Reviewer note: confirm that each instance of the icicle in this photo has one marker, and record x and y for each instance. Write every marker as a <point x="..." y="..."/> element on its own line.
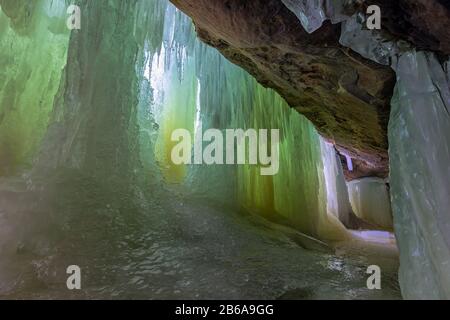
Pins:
<point x="349" y="163"/>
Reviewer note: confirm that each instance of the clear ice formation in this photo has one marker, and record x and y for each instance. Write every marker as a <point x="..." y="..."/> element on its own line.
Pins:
<point x="338" y="196"/>
<point x="371" y="202"/>
<point x="419" y="136"/>
<point x="371" y="44"/>
<point x="419" y="139"/>
<point x="313" y="13"/>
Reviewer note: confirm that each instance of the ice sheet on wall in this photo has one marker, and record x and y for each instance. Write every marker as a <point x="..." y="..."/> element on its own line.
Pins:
<point x="419" y="135"/>
<point x="30" y="33"/>
<point x="210" y="92"/>
<point x="370" y="200"/>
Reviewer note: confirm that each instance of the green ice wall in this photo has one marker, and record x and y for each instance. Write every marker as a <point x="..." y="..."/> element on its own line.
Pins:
<point x="33" y="48"/>
<point x="102" y="103"/>
<point x="206" y="91"/>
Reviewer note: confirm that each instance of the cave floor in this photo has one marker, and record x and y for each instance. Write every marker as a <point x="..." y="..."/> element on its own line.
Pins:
<point x="180" y="249"/>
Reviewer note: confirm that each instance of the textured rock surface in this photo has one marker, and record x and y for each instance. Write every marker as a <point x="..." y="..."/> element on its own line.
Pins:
<point x="344" y="95"/>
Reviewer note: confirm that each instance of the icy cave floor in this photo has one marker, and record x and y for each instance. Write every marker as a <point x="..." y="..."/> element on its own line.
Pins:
<point x="175" y="248"/>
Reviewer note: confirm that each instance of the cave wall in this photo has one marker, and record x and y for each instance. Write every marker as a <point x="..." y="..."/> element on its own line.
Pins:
<point x="339" y="77"/>
<point x="344" y="95"/>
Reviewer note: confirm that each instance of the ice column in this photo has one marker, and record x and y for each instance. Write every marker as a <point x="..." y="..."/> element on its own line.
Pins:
<point x="337" y="194"/>
<point x="419" y="136"/>
<point x="370" y="201"/>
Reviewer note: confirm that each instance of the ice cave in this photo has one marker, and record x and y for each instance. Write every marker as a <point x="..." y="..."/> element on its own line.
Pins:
<point x="91" y="93"/>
